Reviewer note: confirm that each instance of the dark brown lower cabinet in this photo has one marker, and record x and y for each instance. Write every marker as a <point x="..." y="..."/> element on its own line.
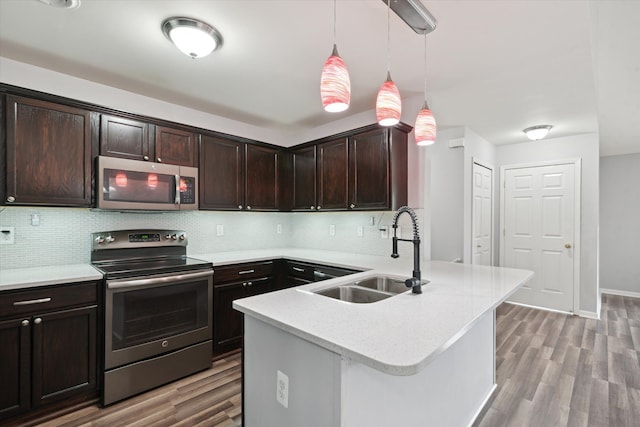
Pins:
<point x="230" y="283"/>
<point x="46" y="356"/>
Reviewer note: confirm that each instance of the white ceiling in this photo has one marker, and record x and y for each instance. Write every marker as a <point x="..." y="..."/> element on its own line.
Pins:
<point x="495" y="66"/>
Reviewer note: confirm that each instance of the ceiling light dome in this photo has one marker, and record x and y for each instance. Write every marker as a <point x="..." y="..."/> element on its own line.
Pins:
<point x="194" y="38"/>
<point x="537" y="132"/>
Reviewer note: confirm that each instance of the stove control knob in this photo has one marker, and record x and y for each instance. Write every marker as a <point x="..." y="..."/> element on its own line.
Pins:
<point x="182" y="237"/>
<point x="110" y="239"/>
<point x="99" y="239"/>
<point x="174" y="236"/>
<point x="168" y="236"/>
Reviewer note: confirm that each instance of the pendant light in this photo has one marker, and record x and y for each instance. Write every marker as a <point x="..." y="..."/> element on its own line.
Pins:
<point x="388" y="103"/>
<point x="335" y="86"/>
<point x="425" y="128"/>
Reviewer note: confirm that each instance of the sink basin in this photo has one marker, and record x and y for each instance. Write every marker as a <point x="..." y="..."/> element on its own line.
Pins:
<point x="368" y="290"/>
<point x="356" y="294"/>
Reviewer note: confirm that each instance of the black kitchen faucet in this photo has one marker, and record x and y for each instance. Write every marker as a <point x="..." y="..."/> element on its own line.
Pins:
<point x="415" y="283"/>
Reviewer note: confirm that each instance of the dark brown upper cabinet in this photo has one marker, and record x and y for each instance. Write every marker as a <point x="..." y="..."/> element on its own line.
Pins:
<point x="236" y="175"/>
<point x="138" y="140"/>
<point x="303" y="178"/>
<point x="176" y="146"/>
<point x="221" y="173"/>
<point x="125" y="138"/>
<point x="361" y="170"/>
<point x="261" y="178"/>
<point x="332" y="173"/>
<point x="48" y="153"/>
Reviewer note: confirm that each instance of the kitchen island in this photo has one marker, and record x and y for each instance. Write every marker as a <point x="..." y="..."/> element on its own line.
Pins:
<point x="411" y="360"/>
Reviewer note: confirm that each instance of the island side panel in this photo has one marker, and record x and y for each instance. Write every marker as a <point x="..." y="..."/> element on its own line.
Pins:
<point x="313" y="376"/>
<point x="449" y="391"/>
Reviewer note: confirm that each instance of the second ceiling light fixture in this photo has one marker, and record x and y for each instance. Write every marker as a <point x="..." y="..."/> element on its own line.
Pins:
<point x="335" y="86"/>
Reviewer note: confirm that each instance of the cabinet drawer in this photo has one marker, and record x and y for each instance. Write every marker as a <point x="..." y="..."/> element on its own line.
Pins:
<point x="46" y="299"/>
<point x="300" y="270"/>
<point x="232" y="273"/>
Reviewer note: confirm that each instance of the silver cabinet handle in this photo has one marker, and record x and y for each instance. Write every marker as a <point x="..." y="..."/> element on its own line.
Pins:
<point x="25" y="323"/>
<point x="248" y="208"/>
<point x="145" y="157"/>
<point x="32" y="301"/>
<point x="159" y="160"/>
<point x="319" y="207"/>
<point x="313" y="207"/>
<point x="246" y="271"/>
<point x="239" y="206"/>
<point x="37" y="320"/>
<point x="298" y="269"/>
<point x="352" y="206"/>
<point x="11" y="199"/>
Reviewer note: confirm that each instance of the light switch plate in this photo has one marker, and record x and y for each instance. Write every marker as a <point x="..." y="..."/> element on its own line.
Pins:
<point x="7" y="235"/>
<point x="219" y="230"/>
<point x="332" y="230"/>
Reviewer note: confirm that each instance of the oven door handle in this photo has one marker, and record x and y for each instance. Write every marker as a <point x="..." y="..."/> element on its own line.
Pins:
<point x="155" y="281"/>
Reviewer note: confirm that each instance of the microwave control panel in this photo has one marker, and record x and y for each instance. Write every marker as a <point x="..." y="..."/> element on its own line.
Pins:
<point x="187" y="190"/>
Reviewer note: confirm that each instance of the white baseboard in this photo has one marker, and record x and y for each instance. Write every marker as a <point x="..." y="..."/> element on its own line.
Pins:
<point x="620" y="293"/>
<point x="588" y="314"/>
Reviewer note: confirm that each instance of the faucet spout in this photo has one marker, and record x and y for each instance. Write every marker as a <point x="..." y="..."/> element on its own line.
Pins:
<point x="415" y="283"/>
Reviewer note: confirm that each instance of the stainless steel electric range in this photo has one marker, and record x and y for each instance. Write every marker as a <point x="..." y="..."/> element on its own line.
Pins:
<point x="158" y="310"/>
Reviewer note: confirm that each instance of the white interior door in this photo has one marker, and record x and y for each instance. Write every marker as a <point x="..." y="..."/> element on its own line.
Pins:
<point x="481" y="216"/>
<point x="539" y="220"/>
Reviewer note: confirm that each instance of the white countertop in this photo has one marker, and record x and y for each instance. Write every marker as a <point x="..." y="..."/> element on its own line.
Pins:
<point x="399" y="335"/>
<point x="23" y="278"/>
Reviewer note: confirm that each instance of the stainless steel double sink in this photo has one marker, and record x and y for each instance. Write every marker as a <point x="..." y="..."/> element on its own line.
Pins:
<point x="368" y="290"/>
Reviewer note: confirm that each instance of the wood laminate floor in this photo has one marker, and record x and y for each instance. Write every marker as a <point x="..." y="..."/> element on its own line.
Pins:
<point x="552" y="370"/>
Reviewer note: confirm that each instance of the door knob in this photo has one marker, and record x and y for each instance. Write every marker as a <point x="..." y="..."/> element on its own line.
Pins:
<point x="567" y="245"/>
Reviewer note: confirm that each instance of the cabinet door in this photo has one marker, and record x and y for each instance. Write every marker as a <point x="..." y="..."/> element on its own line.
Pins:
<point x="64" y="354"/>
<point x="227" y="322"/>
<point x="332" y="174"/>
<point x="261" y="185"/>
<point x="125" y="138"/>
<point x="175" y="147"/>
<point x="15" y="367"/>
<point x="369" y="183"/>
<point x="48" y="154"/>
<point x="221" y="174"/>
<point x="304" y="178"/>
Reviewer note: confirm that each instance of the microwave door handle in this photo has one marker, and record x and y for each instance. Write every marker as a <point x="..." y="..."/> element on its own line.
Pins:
<point x="177" y="199"/>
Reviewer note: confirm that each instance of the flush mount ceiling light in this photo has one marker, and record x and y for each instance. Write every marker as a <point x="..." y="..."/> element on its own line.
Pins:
<point x="194" y="38"/>
<point x="388" y="103"/>
<point x="335" y="86"/>
<point x="62" y="4"/>
<point x="414" y="14"/>
<point x="537" y="132"/>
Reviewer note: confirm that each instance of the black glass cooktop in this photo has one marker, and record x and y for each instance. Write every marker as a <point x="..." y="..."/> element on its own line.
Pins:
<point x="151" y="266"/>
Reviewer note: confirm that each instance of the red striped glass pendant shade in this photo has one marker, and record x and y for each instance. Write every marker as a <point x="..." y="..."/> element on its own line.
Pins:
<point x="335" y="86"/>
<point x="425" y="129"/>
<point x="388" y="103"/>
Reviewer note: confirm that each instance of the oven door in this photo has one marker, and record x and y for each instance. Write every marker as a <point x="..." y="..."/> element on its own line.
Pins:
<point x="152" y="315"/>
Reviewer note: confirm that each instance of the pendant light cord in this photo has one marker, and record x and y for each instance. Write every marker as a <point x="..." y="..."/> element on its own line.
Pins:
<point x="388" y="36"/>
<point x="425" y="67"/>
<point x="335" y="38"/>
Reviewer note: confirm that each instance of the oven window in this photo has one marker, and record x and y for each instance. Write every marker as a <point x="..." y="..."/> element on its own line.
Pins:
<point x="149" y="314"/>
<point x="138" y="187"/>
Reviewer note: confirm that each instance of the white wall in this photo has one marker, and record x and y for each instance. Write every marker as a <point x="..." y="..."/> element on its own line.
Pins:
<point x="620" y="224"/>
<point x="446" y="205"/>
<point x="585" y="147"/>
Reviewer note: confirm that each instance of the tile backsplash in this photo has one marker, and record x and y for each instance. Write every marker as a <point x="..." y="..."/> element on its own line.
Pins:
<point x="63" y="234"/>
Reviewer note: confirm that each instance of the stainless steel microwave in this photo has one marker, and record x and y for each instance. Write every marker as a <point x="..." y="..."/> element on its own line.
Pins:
<point x="124" y="184"/>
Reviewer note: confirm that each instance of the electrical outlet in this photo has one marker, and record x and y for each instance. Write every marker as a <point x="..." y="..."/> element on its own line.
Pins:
<point x="7" y="235"/>
<point x="278" y="228"/>
<point x="219" y="230"/>
<point x="332" y="230"/>
<point x="35" y="219"/>
<point x="360" y="231"/>
<point x="282" y="389"/>
<point x="372" y="220"/>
